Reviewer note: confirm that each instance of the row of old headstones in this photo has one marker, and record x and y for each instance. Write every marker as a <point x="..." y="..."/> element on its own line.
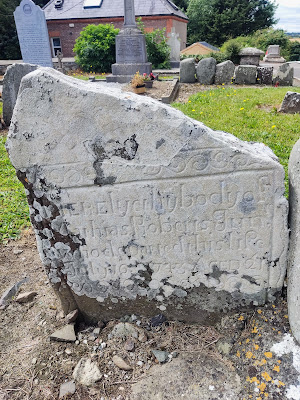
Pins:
<point x="208" y="72"/>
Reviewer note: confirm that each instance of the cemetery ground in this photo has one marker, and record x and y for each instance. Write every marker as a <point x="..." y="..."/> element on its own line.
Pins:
<point x="237" y="359"/>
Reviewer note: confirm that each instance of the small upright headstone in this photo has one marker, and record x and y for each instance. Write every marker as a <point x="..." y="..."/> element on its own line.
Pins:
<point x="273" y="54"/>
<point x="245" y="74"/>
<point x="206" y="70"/>
<point x="264" y="75"/>
<point x="224" y="72"/>
<point x="187" y="70"/>
<point x="145" y="210"/>
<point x="284" y="76"/>
<point x="131" y="54"/>
<point x="33" y="34"/>
<point x="174" y="43"/>
<point x="11" y="84"/>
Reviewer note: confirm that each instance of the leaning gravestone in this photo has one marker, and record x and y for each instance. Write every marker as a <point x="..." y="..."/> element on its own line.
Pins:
<point x="139" y="209"/>
<point x="205" y="71"/>
<point x="224" y="72"/>
<point x="11" y="84"/>
<point x="291" y="103"/>
<point x="33" y="34"/>
<point x="294" y="248"/>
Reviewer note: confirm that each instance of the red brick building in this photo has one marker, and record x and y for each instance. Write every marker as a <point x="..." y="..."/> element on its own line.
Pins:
<point x="66" y="18"/>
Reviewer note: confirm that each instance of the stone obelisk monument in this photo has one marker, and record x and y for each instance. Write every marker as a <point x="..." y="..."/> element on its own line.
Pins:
<point x="131" y="55"/>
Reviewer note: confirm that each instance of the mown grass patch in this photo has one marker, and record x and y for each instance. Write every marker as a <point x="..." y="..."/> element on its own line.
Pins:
<point x="250" y="114"/>
<point x="14" y="213"/>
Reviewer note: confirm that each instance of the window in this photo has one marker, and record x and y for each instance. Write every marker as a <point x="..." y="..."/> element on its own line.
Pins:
<point x="92" y="3"/>
<point x="56" y="46"/>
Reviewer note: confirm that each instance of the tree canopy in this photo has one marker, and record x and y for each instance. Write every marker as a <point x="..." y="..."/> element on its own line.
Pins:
<point x="9" y="44"/>
<point x="216" y="21"/>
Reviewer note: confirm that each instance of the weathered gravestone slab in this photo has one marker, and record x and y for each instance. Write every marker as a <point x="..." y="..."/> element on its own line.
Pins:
<point x="187" y="70"/>
<point x="224" y="72"/>
<point x="245" y="74"/>
<point x="273" y="54"/>
<point x="284" y="76"/>
<point x="11" y="84"/>
<point x="291" y="103"/>
<point x="138" y="208"/>
<point x="294" y="248"/>
<point x="33" y="34"/>
<point x="206" y="70"/>
<point x="265" y="75"/>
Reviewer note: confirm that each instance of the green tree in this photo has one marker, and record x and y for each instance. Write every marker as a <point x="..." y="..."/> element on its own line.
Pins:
<point x="158" y="51"/>
<point x="9" y="43"/>
<point x="216" y="21"/>
<point x="95" y="48"/>
<point x="183" y="4"/>
<point x="263" y="38"/>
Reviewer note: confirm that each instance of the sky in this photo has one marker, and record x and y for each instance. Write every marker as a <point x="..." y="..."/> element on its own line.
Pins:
<point x="288" y="13"/>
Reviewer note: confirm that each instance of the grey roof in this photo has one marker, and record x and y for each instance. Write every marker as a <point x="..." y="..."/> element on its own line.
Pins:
<point x="210" y="46"/>
<point x="73" y="9"/>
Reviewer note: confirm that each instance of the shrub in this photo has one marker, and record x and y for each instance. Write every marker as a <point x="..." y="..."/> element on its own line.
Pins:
<point x="158" y="51"/>
<point x="263" y="38"/>
<point x="95" y="48"/>
<point x="295" y="51"/>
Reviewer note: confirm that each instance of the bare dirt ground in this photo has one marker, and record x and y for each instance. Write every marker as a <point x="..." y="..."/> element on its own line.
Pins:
<point x="32" y="367"/>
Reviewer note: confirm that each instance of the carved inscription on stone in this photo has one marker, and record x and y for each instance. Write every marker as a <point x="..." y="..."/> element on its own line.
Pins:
<point x="133" y="201"/>
<point x="130" y="49"/>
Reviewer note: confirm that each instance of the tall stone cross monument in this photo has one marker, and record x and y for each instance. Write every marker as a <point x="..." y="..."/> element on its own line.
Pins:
<point x="131" y="55"/>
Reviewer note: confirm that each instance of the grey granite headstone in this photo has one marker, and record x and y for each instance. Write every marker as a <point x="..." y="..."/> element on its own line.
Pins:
<point x="131" y="54"/>
<point x="224" y="72"/>
<point x="33" y="34"/>
<point x="264" y="75"/>
<point x="206" y="70"/>
<point x="284" y="76"/>
<point x="187" y="71"/>
<point x="245" y="74"/>
<point x="294" y="247"/>
<point x="138" y="208"/>
<point x="11" y="84"/>
<point x="273" y="54"/>
<point x="291" y="103"/>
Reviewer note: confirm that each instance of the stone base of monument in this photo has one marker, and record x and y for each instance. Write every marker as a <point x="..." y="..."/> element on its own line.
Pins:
<point x="123" y="73"/>
<point x="273" y="59"/>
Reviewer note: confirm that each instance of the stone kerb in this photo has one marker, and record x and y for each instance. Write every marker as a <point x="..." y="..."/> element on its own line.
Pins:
<point x="11" y="83"/>
<point x="284" y="76"/>
<point x="291" y="103"/>
<point x="139" y="209"/>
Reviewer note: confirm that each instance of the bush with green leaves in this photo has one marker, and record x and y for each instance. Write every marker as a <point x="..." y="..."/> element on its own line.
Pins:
<point x="95" y="48"/>
<point x="217" y="55"/>
<point x="158" y="51"/>
<point x="263" y="38"/>
<point x="295" y="51"/>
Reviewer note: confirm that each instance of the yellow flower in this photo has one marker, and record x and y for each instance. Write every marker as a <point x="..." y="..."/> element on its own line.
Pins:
<point x="193" y="110"/>
<point x="273" y="126"/>
<point x="242" y="108"/>
<point x="189" y="101"/>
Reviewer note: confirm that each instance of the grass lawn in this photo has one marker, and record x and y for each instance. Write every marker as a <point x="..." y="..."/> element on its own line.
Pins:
<point x="248" y="113"/>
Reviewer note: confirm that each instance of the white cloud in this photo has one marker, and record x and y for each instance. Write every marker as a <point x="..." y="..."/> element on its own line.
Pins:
<point x="288" y="13"/>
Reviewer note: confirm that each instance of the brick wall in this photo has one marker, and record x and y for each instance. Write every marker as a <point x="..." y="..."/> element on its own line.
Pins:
<point x="69" y="30"/>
